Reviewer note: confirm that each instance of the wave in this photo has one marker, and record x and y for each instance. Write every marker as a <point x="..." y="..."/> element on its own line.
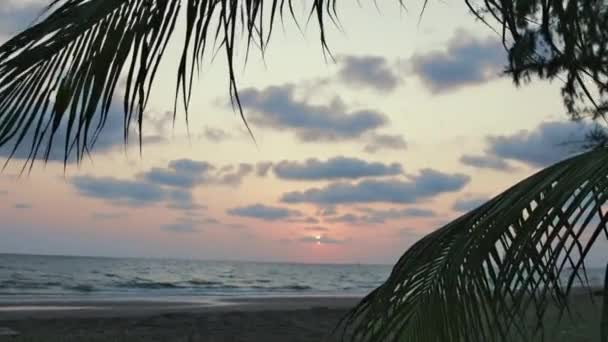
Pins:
<point x="81" y="288"/>
<point x="203" y="282"/>
<point x="293" y="287"/>
<point x="153" y="285"/>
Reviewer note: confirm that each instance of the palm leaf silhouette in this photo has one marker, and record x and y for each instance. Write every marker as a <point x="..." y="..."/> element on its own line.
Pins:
<point x="477" y="278"/>
<point x="467" y="281"/>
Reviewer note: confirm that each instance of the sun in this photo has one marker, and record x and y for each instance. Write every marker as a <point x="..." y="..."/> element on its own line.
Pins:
<point x="318" y="238"/>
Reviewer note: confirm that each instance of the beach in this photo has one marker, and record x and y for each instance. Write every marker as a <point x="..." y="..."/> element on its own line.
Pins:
<point x="269" y="319"/>
<point x="242" y="319"/>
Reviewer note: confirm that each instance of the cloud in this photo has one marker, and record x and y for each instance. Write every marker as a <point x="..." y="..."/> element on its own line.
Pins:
<point x="308" y="220"/>
<point x="183" y="173"/>
<point x="183" y="200"/>
<point x="327" y="211"/>
<point x="236" y="177"/>
<point x="466" y="61"/>
<point x="18" y="15"/>
<point x="263" y="212"/>
<point x="316" y="229"/>
<point x="99" y="216"/>
<point x="262" y="168"/>
<point x="110" y="138"/>
<point x="427" y="184"/>
<point x="322" y="239"/>
<point x="3" y="192"/>
<point x="486" y="162"/>
<point x="385" y="142"/>
<point x="375" y="216"/>
<point x="23" y="206"/>
<point x="469" y="203"/>
<point x="130" y="192"/>
<point x="182" y="226"/>
<point x="276" y="107"/>
<point x="368" y="71"/>
<point x="548" y="143"/>
<point x="216" y="135"/>
<point x="334" y="168"/>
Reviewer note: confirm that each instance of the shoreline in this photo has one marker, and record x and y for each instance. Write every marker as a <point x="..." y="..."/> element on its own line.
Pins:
<point x="148" y="307"/>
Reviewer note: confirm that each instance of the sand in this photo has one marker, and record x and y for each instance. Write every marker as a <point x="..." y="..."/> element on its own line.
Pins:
<point x="276" y="319"/>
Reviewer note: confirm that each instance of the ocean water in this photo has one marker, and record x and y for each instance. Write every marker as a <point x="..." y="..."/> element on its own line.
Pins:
<point x="29" y="277"/>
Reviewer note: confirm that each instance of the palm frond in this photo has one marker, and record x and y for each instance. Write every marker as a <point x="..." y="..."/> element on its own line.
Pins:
<point x="65" y="69"/>
<point x="475" y="278"/>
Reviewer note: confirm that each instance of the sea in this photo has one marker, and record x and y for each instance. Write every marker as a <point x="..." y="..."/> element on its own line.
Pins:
<point x="40" y="278"/>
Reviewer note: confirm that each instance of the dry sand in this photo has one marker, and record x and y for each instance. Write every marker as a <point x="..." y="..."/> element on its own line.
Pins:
<point x="264" y="320"/>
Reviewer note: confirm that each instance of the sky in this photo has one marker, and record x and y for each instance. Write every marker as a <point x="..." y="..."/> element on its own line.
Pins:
<point x="355" y="159"/>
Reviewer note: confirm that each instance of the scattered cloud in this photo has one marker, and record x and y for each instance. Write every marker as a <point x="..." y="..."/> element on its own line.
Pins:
<point x="263" y="212"/>
<point x="316" y="229"/>
<point x="236" y="177"/>
<point x="277" y="107"/>
<point x="469" y="203"/>
<point x="548" y="143"/>
<point x="427" y="184"/>
<point x="262" y="168"/>
<point x="327" y="211"/>
<point x="373" y="72"/>
<point x="379" y="142"/>
<point x="307" y="220"/>
<point x="216" y="135"/>
<point x="110" y="138"/>
<point x="99" y="216"/>
<point x="373" y="216"/>
<point x="486" y="162"/>
<point x="23" y="206"/>
<point x="466" y="61"/>
<point x="130" y="192"/>
<point x="182" y="226"/>
<point x="334" y="168"/>
<point x="183" y="173"/>
<point x="322" y="239"/>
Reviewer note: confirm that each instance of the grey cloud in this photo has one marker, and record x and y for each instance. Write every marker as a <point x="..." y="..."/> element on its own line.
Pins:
<point x="182" y="200"/>
<point x="323" y="239"/>
<point x="262" y="168"/>
<point x="385" y="142"/>
<point x="486" y="162"/>
<point x="368" y="71"/>
<point x="469" y="203"/>
<point x="467" y="61"/>
<point x="216" y="135"/>
<point x="334" y="168"/>
<point x="427" y="184"/>
<point x="182" y="173"/>
<point x="236" y="177"/>
<point x="110" y="138"/>
<point x="277" y="107"/>
<point x="316" y="229"/>
<point x="23" y="206"/>
<point x="108" y="216"/>
<point x="264" y="212"/>
<point x="308" y="220"/>
<point x="546" y="144"/>
<point x="327" y="211"/>
<point x="375" y="216"/>
<point x="183" y="226"/>
<point x="132" y="192"/>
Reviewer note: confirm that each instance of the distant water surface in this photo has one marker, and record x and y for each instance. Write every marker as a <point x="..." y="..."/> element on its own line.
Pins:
<point x="30" y="277"/>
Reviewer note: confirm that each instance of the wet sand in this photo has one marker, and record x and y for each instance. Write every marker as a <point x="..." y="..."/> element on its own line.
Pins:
<point x="275" y="319"/>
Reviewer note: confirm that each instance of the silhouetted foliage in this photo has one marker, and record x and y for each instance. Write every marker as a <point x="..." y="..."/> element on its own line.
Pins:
<point x="469" y="280"/>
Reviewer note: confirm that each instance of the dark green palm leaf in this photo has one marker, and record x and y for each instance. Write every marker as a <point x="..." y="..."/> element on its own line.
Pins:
<point x="65" y="69"/>
<point x="475" y="278"/>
